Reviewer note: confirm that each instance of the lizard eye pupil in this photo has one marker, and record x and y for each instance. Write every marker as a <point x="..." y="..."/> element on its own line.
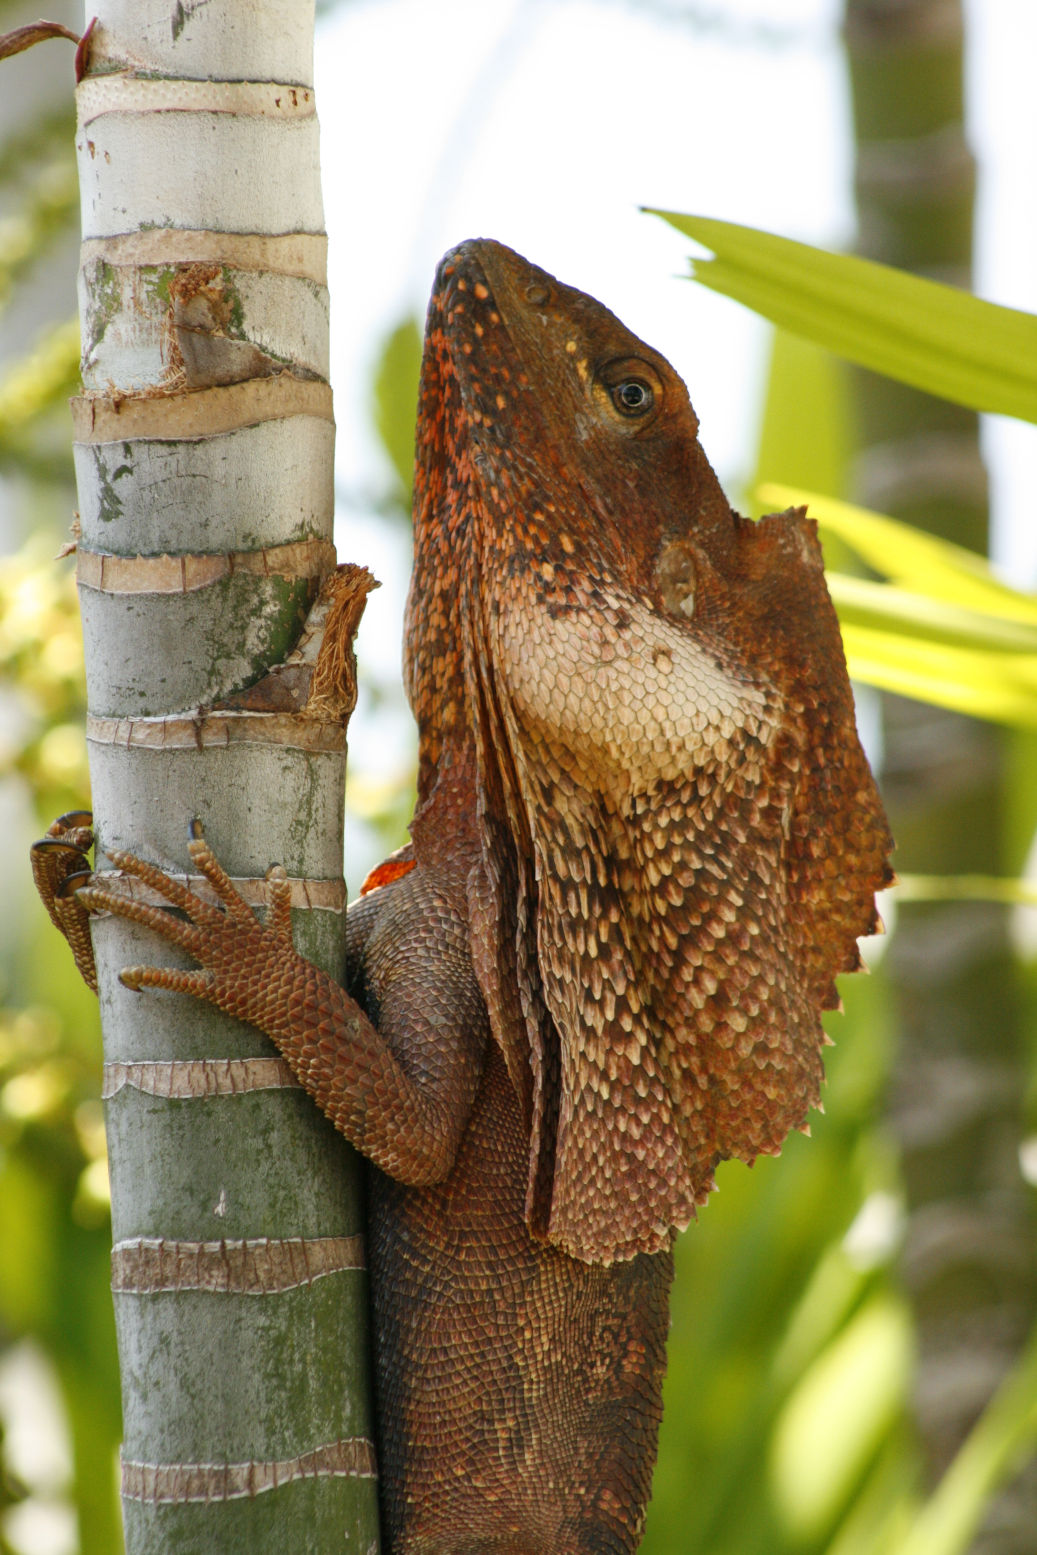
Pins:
<point x="633" y="397"/>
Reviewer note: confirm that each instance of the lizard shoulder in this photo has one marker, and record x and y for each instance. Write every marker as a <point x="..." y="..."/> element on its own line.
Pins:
<point x="408" y="951"/>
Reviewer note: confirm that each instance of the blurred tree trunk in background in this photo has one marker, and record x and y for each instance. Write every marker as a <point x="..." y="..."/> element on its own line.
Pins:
<point x="968" y="1258"/>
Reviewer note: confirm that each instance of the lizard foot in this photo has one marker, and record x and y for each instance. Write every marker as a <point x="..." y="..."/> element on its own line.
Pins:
<point x="59" y="868"/>
<point x="235" y="951"/>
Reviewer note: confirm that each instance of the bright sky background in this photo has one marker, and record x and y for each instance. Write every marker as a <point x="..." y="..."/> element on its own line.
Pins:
<point x="547" y="123"/>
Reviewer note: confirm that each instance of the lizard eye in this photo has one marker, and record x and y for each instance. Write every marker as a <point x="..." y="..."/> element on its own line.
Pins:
<point x="633" y="397"/>
<point x="630" y="390"/>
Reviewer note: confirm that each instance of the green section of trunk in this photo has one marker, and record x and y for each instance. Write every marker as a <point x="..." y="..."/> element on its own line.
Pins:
<point x="962" y="1071"/>
<point x="308" y="1515"/>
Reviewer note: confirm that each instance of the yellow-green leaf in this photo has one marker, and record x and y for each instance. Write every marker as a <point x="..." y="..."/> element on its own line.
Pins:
<point x="966" y="888"/>
<point x="909" y="613"/>
<point x="920" y="332"/>
<point x="1001" y="687"/>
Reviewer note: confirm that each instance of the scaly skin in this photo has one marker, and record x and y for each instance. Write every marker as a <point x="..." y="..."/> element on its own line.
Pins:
<point x="645" y="843"/>
<point x="59" y="866"/>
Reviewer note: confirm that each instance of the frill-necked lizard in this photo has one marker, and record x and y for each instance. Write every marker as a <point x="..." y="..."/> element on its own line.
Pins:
<point x="646" y="842"/>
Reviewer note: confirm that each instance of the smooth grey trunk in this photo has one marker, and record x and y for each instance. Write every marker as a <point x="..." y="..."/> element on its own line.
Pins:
<point x="204" y="462"/>
<point x="961" y="1075"/>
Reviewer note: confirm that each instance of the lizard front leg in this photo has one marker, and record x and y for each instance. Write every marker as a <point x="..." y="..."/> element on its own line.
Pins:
<point x="403" y="1104"/>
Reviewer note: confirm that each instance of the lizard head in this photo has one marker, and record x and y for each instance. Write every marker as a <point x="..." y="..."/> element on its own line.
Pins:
<point x="679" y="839"/>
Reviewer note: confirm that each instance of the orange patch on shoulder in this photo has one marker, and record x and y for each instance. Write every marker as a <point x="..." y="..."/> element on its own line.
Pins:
<point x="385" y="873"/>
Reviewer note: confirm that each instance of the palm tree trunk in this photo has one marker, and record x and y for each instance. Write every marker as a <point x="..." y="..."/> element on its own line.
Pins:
<point x="969" y="1253"/>
<point x="204" y="461"/>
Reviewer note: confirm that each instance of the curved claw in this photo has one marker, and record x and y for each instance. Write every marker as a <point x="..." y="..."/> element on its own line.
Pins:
<point x="75" y="827"/>
<point x="58" y="859"/>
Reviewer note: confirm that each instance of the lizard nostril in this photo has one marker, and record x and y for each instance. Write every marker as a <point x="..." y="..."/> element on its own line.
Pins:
<point x="537" y="294"/>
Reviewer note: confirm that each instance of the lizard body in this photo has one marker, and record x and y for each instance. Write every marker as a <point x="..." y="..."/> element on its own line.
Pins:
<point x="517" y="1389"/>
<point x="646" y="840"/>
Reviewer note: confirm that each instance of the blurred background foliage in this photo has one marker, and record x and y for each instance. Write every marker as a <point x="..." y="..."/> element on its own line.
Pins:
<point x="852" y="1367"/>
<point x="59" y="1404"/>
